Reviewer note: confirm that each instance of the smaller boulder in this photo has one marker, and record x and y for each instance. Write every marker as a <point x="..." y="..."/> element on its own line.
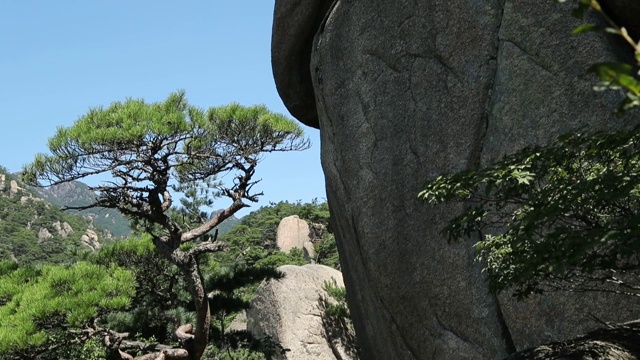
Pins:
<point x="309" y="250"/>
<point x="292" y="232"/>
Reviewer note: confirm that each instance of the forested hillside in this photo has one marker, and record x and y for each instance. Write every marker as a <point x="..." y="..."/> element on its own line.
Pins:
<point x="34" y="231"/>
<point x="76" y="193"/>
<point x="153" y="299"/>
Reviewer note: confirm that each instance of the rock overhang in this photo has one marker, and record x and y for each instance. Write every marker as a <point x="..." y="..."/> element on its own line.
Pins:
<point x="295" y="23"/>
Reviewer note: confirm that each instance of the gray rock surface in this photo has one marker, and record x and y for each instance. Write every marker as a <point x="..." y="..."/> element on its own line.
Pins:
<point x="239" y="323"/>
<point x="290" y="60"/>
<point x="614" y="342"/>
<point x="555" y="98"/>
<point x="408" y="90"/>
<point x="3" y="179"/>
<point x="287" y="310"/>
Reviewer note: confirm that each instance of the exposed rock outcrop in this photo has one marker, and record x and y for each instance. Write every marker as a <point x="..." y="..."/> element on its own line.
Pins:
<point x="294" y="232"/>
<point x="90" y="239"/>
<point x="44" y="234"/>
<point x="3" y="179"/>
<point x="408" y="90"/>
<point x="287" y="310"/>
<point x="294" y="26"/>
<point x="63" y="229"/>
<point x="14" y="188"/>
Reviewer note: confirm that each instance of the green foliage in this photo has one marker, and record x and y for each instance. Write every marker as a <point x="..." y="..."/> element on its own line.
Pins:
<point x="192" y="143"/>
<point x="231" y="277"/>
<point x="243" y="346"/>
<point x="552" y="216"/>
<point x="23" y="215"/>
<point x="327" y="252"/>
<point x="160" y="298"/>
<point x="564" y="216"/>
<point x="153" y="151"/>
<point x="236" y="354"/>
<point x="92" y="349"/>
<point x="613" y="76"/>
<point x="336" y="318"/>
<point x="339" y="295"/>
<point x="37" y="303"/>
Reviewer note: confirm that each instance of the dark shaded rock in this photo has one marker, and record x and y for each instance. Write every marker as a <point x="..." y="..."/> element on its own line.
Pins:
<point x="295" y="23"/>
<point x="542" y="90"/>
<point x="626" y="13"/>
<point x="621" y="342"/>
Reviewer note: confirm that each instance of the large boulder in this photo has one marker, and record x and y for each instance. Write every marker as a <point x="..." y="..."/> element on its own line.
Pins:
<point x="287" y="310"/>
<point x="407" y="90"/>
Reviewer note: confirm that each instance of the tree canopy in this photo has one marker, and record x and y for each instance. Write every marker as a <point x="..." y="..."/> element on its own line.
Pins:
<point x="39" y="304"/>
<point x="153" y="151"/>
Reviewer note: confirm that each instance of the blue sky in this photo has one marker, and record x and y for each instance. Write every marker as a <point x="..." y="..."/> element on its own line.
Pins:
<point x="59" y="58"/>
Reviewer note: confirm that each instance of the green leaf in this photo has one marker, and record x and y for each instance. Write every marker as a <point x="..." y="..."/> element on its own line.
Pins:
<point x="585" y="28"/>
<point x="608" y="71"/>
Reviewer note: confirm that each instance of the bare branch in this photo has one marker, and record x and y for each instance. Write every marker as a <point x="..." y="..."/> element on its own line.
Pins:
<point x="206" y="247"/>
<point x="213" y="222"/>
<point x="185" y="332"/>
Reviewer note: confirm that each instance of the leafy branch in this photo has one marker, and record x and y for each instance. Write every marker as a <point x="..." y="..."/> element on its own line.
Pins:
<point x="613" y="76"/>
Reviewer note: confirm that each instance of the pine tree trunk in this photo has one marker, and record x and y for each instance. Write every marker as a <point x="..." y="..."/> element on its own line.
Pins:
<point x="191" y="270"/>
<point x="188" y="265"/>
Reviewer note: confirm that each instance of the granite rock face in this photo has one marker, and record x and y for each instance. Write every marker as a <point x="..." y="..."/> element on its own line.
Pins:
<point x="407" y="90"/>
